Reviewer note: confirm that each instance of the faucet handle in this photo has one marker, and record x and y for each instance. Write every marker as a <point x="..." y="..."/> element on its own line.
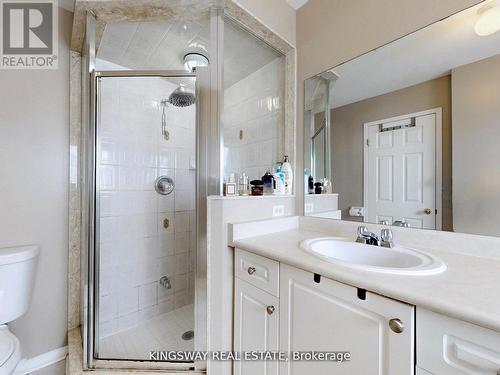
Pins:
<point x="386" y="238"/>
<point x="363" y="230"/>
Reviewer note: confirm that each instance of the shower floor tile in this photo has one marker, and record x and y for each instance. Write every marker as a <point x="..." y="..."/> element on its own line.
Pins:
<point x="163" y="332"/>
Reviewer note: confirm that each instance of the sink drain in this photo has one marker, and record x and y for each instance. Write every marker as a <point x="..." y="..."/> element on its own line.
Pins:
<point x="188" y="335"/>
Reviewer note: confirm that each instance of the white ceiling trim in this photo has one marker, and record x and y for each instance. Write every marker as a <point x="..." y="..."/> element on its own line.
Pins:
<point x="296" y="4"/>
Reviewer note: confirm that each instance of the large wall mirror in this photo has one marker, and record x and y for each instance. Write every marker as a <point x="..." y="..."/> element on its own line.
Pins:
<point x="411" y="131"/>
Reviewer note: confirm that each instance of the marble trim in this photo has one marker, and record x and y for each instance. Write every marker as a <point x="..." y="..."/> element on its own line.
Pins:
<point x="74" y="364"/>
<point x="74" y="274"/>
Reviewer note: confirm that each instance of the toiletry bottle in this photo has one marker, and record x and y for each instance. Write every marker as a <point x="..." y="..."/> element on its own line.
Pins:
<point x="230" y="186"/>
<point x="318" y="188"/>
<point x="279" y="180"/>
<point x="268" y="183"/>
<point x="310" y="181"/>
<point x="243" y="185"/>
<point x="286" y="168"/>
<point x="306" y="181"/>
<point x="257" y="187"/>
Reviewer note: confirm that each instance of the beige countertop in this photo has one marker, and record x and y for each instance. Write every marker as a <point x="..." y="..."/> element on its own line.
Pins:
<point x="469" y="289"/>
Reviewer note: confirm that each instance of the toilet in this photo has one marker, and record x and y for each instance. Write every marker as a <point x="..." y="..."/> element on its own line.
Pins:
<point x="17" y="275"/>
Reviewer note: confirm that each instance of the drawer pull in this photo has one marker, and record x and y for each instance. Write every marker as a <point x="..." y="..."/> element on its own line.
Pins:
<point x="396" y="325"/>
<point x="270" y="310"/>
<point x="251" y="270"/>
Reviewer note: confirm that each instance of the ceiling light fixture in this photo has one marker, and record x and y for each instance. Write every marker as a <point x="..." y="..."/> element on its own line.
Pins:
<point x="489" y="20"/>
<point x="193" y="60"/>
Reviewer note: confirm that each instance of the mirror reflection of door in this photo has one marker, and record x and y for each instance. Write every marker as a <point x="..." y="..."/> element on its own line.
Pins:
<point x="402" y="170"/>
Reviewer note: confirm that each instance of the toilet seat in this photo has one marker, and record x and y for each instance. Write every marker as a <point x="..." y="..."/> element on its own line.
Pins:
<point x="10" y="351"/>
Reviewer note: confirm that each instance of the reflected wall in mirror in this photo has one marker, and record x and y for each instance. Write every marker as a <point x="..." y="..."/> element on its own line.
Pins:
<point x="412" y="131"/>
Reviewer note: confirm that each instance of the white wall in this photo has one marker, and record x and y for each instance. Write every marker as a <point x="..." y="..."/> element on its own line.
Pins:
<point x="254" y="106"/>
<point x="34" y="149"/>
<point x="275" y="14"/>
<point x="475" y="92"/>
<point x="220" y="212"/>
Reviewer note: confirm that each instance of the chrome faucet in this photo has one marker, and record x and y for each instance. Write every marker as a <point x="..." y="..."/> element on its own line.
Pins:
<point x="400" y="223"/>
<point x="386" y="239"/>
<point x="367" y="237"/>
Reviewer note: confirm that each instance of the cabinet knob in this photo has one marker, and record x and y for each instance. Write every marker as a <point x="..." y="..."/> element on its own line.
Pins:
<point x="396" y="325"/>
<point x="270" y="309"/>
<point x="251" y="270"/>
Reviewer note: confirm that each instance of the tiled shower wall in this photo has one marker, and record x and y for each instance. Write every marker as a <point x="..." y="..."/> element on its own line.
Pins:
<point x="143" y="235"/>
<point x="253" y="120"/>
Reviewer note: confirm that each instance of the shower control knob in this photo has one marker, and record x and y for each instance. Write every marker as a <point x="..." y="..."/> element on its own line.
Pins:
<point x="270" y="310"/>
<point x="396" y="325"/>
<point x="251" y="270"/>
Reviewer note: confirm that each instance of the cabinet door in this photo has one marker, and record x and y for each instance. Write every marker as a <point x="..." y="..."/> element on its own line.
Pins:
<point x="329" y="316"/>
<point x="448" y="346"/>
<point x="256" y="323"/>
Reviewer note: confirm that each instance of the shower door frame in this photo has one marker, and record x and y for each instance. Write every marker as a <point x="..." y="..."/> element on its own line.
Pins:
<point x="203" y="168"/>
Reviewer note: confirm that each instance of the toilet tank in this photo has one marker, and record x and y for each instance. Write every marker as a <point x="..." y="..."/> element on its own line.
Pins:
<point x="17" y="276"/>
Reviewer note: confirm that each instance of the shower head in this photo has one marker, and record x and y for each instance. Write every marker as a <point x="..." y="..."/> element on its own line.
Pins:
<point x="181" y="97"/>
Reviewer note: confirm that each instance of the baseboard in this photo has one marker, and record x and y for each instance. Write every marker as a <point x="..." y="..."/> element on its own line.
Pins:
<point x="29" y="365"/>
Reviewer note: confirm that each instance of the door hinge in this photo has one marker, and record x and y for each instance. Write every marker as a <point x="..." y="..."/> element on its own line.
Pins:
<point x="368" y="142"/>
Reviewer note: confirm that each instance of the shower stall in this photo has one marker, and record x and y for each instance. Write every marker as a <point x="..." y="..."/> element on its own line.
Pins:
<point x="153" y="151"/>
<point x="145" y="214"/>
<point x="145" y="217"/>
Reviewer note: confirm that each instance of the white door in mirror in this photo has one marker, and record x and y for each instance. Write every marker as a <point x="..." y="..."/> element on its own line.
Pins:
<point x="400" y="172"/>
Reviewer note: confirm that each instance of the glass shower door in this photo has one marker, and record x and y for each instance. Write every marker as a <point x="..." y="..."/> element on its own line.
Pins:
<point x="145" y="243"/>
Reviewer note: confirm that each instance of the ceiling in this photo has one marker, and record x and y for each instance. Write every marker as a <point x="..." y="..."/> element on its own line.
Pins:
<point x="296" y="4"/>
<point x="424" y="55"/>
<point x="163" y="44"/>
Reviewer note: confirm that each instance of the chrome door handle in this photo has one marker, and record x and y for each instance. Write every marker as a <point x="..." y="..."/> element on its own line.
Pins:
<point x="396" y="325"/>
<point x="270" y="310"/>
<point x="251" y="270"/>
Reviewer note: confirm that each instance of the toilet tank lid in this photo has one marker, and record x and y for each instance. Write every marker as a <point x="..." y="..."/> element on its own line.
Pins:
<point x="9" y="255"/>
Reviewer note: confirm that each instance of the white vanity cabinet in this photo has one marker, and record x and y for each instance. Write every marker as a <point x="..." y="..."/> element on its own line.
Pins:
<point x="256" y="311"/>
<point x="279" y="307"/>
<point x="447" y="346"/>
<point x="319" y="314"/>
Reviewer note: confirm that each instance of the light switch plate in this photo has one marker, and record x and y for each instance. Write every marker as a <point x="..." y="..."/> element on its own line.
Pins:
<point x="279" y="210"/>
<point x="308" y="208"/>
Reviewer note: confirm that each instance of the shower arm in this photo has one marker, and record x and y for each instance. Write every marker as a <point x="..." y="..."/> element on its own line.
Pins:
<point x="164" y="131"/>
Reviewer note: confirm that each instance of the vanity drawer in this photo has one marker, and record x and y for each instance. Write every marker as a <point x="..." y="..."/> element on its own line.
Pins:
<point x="258" y="271"/>
<point x="448" y="346"/>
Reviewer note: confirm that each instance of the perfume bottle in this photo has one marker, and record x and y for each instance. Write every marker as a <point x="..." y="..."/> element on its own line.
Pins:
<point x="268" y="183"/>
<point x="230" y="186"/>
<point x="244" y="185"/>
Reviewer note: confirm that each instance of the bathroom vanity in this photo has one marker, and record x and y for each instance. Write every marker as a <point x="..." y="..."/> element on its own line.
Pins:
<point x="287" y="300"/>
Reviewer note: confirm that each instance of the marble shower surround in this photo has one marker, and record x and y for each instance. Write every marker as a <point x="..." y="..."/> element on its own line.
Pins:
<point x="136" y="10"/>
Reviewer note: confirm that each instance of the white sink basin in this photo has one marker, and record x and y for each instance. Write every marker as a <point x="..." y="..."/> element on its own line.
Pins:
<point x="398" y="260"/>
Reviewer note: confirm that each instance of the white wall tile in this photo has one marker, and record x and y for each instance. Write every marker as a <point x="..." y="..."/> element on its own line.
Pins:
<point x="182" y="242"/>
<point x="148" y="295"/>
<point x="128" y="300"/>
